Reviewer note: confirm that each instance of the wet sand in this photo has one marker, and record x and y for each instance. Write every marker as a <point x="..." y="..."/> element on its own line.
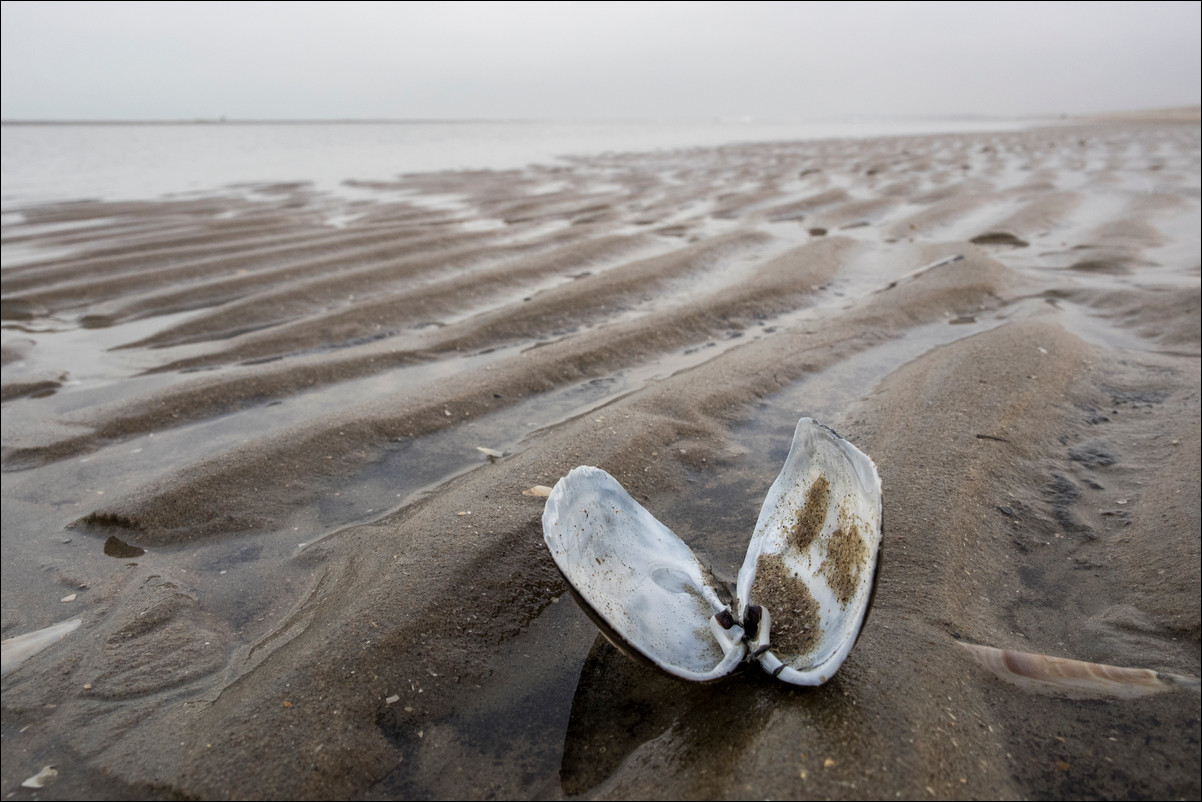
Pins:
<point x="241" y="431"/>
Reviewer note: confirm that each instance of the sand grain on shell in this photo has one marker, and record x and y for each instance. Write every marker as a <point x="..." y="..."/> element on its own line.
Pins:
<point x="795" y="628"/>
<point x="807" y="524"/>
<point x="843" y="557"/>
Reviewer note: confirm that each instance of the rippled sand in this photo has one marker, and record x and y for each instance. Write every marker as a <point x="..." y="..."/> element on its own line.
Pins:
<point x="242" y="430"/>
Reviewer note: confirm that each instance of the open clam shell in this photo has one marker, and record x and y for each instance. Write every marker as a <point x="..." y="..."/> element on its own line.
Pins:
<point x="802" y="592"/>
<point x="813" y="559"/>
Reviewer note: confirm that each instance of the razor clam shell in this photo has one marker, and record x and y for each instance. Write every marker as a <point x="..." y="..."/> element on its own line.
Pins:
<point x="636" y="579"/>
<point x="854" y="498"/>
<point x="1074" y="678"/>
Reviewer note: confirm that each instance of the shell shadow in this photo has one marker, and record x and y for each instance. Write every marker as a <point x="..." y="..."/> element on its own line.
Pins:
<point x="621" y="704"/>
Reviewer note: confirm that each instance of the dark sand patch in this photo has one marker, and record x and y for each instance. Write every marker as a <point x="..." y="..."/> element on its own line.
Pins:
<point x="796" y="630"/>
<point x="999" y="238"/>
<point x="844" y="558"/>
<point x="810" y="518"/>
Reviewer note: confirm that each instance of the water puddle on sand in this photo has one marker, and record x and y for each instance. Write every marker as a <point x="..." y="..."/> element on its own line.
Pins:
<point x="408" y="469"/>
<point x="43" y="558"/>
<point x="26" y="243"/>
<point x="86" y="359"/>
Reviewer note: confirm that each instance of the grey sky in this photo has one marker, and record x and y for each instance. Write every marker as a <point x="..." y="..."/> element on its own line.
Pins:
<point x="593" y="61"/>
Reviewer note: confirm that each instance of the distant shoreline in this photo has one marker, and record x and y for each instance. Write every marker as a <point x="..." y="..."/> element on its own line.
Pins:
<point x="1171" y="114"/>
<point x="381" y="121"/>
<point x="1165" y="114"/>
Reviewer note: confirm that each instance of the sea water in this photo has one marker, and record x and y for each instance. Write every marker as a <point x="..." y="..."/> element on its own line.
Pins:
<point x="121" y="161"/>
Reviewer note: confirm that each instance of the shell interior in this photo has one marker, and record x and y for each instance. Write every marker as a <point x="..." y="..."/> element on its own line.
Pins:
<point x="636" y="579"/>
<point x="809" y="570"/>
<point x="813" y="557"/>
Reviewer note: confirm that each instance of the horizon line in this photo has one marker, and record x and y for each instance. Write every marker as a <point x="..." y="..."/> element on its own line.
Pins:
<point x="860" y="117"/>
<point x="723" y="119"/>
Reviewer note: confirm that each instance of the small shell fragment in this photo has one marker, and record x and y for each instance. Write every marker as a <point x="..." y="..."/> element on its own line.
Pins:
<point x="15" y="651"/>
<point x="538" y="490"/>
<point x="43" y="778"/>
<point x="491" y="453"/>
<point x="1074" y="678"/>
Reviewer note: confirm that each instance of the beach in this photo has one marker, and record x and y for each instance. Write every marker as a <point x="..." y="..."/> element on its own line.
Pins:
<point x="242" y="441"/>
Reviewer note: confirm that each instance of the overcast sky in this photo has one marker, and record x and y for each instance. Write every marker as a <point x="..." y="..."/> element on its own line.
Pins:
<point x="772" y="62"/>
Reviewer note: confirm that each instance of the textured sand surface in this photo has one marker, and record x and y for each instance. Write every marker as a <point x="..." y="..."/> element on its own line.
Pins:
<point x="243" y="430"/>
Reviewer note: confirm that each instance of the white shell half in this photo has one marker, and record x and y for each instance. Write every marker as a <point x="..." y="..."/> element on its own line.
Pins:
<point x="812" y="561"/>
<point x="639" y="582"/>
